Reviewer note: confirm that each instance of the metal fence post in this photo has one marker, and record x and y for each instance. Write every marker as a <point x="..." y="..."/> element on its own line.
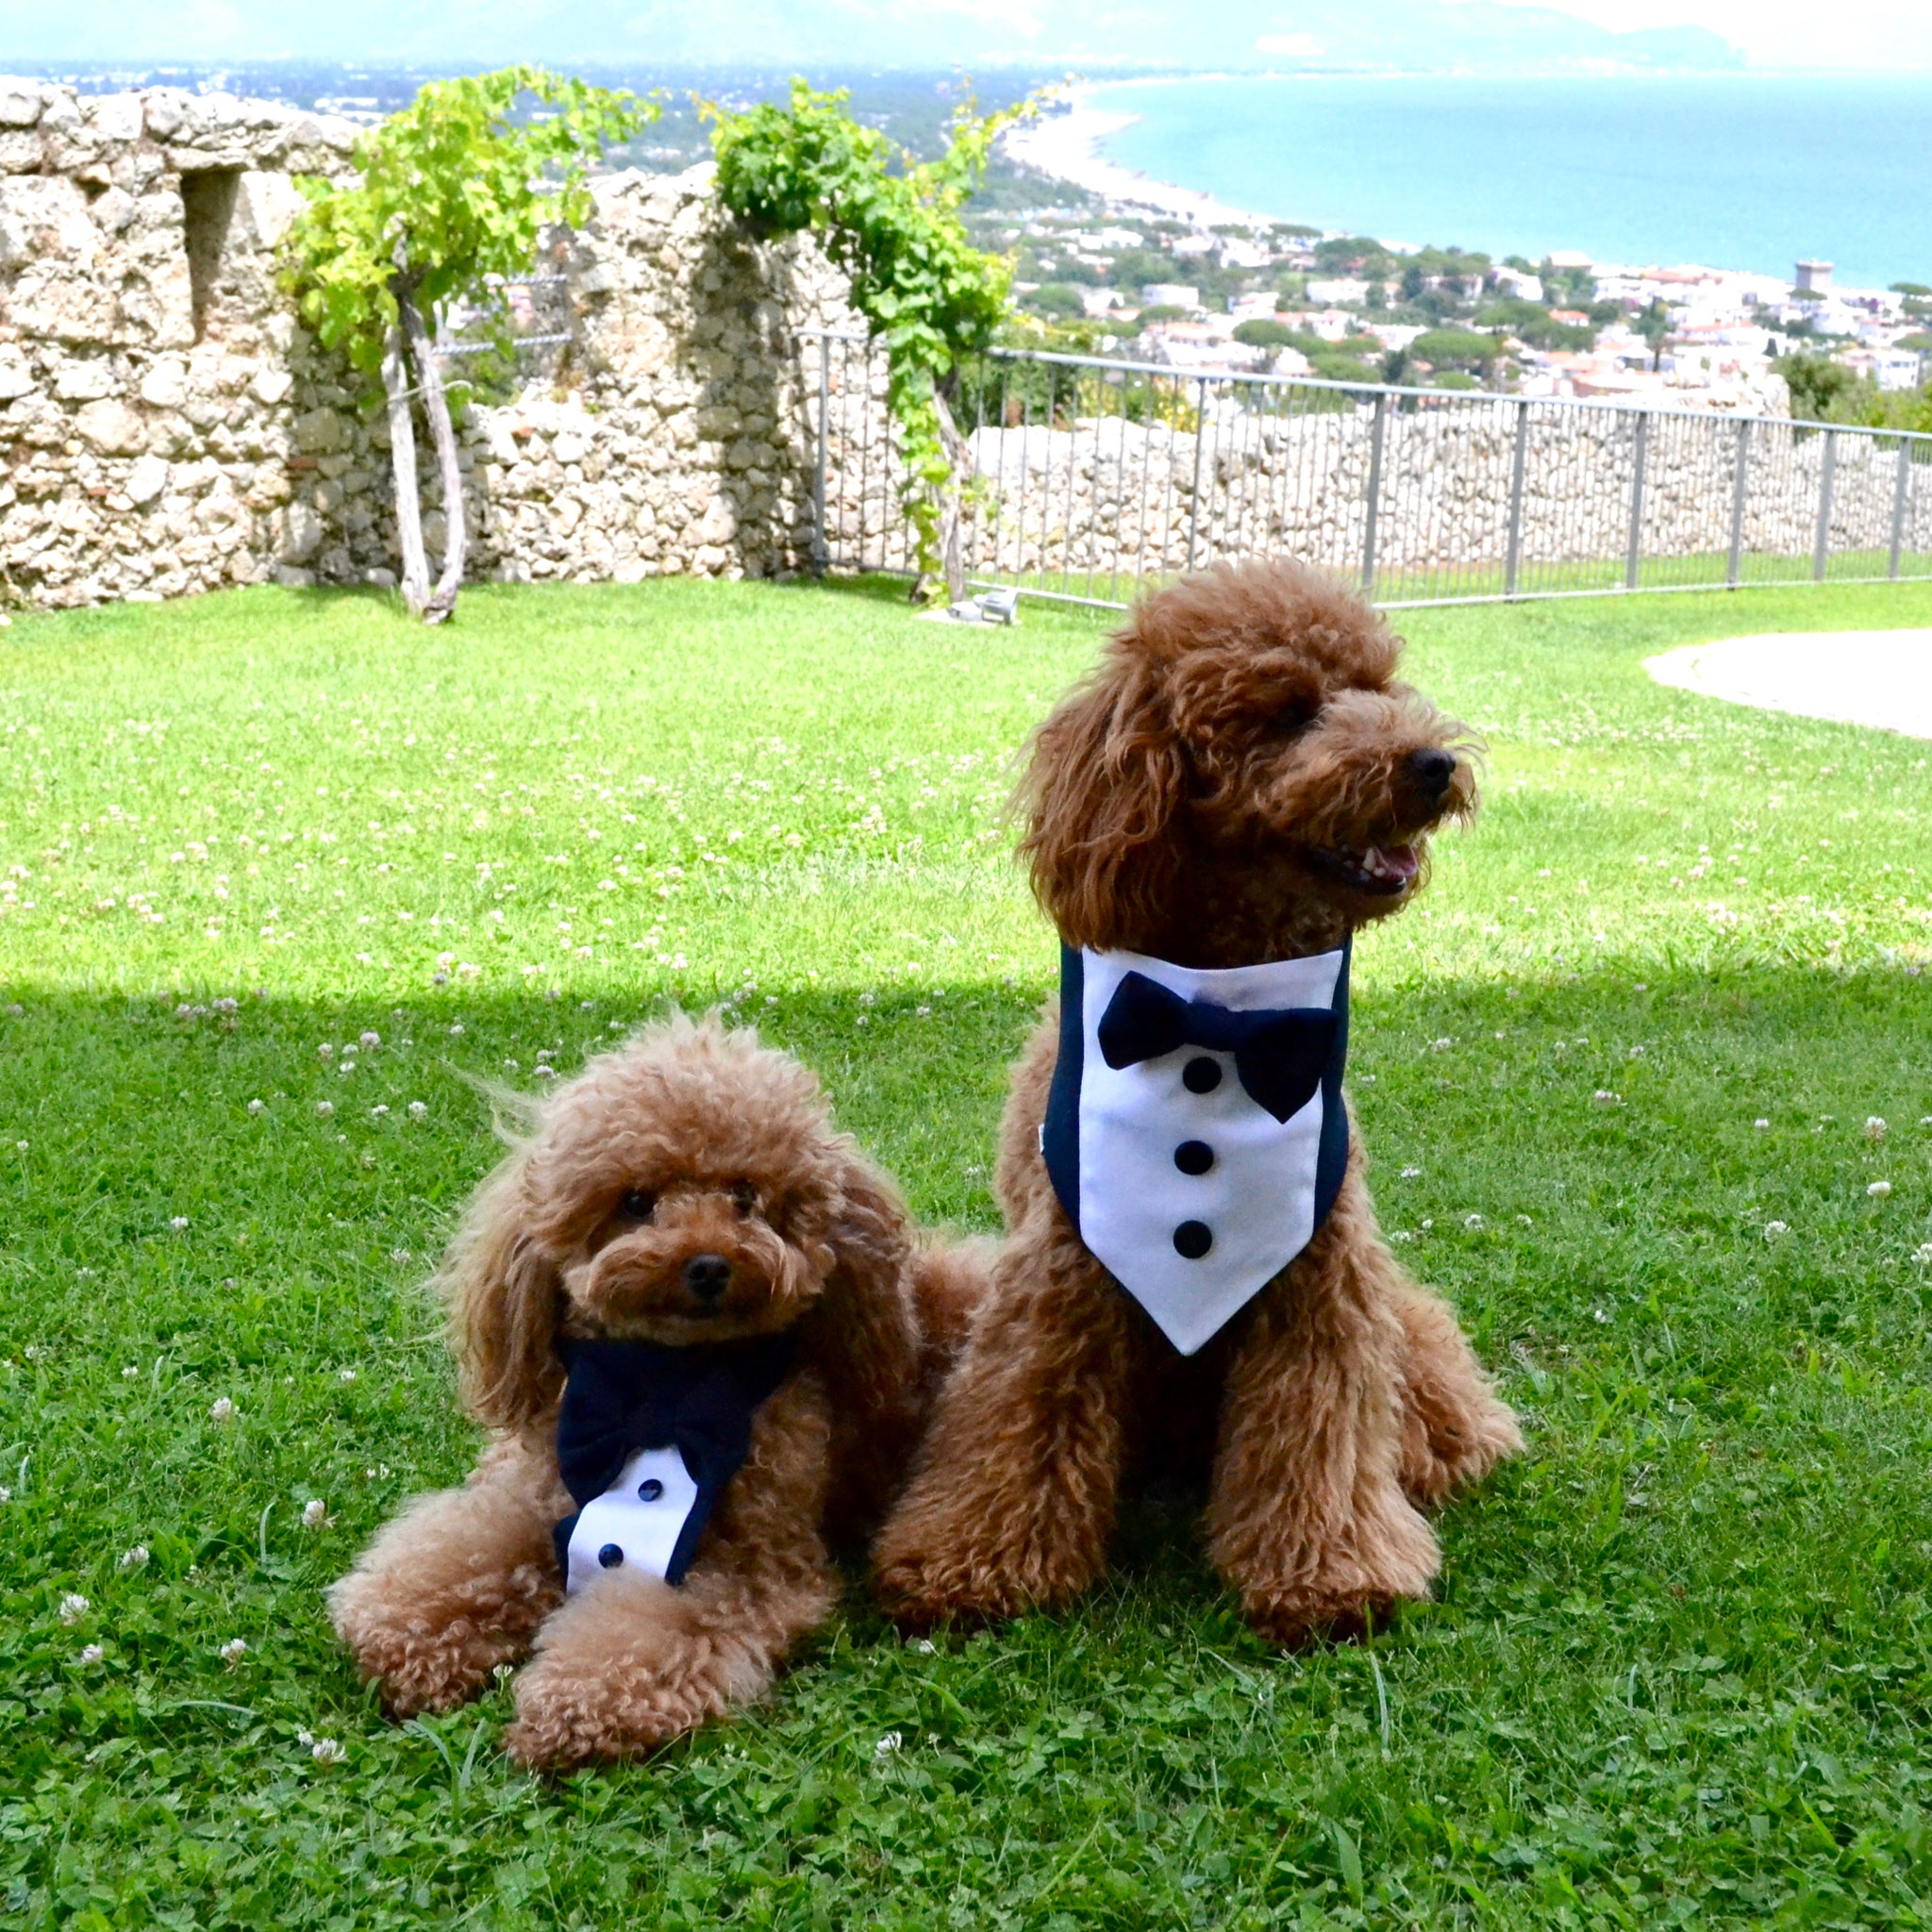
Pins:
<point x="1377" y="439"/>
<point x="1739" y="489"/>
<point x="1633" y="548"/>
<point x="821" y="548"/>
<point x="1200" y="442"/>
<point x="1517" y="462"/>
<point x="1901" y="494"/>
<point x="1821" y="546"/>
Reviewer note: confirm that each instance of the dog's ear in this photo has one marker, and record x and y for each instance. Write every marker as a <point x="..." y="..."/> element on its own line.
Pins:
<point x="862" y="1333"/>
<point x="1107" y="776"/>
<point x="502" y="1293"/>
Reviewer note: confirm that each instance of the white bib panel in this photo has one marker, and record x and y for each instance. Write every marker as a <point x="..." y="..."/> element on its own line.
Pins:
<point x="640" y="1516"/>
<point x="1256" y="1199"/>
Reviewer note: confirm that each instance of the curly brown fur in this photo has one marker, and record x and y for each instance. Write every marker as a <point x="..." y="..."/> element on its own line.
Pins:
<point x="1244" y="778"/>
<point x="689" y="1141"/>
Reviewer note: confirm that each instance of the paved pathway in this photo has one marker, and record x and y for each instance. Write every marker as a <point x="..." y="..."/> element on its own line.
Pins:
<point x="1877" y="677"/>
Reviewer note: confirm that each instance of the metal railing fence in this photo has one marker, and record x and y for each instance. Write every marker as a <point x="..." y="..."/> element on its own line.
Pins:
<point x="1092" y="477"/>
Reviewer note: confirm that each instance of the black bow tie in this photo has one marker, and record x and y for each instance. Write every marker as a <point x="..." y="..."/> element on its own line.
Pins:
<point x="624" y="1396"/>
<point x="1279" y="1055"/>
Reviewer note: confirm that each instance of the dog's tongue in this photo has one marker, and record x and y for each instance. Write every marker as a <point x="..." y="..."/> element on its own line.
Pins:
<point x="1396" y="863"/>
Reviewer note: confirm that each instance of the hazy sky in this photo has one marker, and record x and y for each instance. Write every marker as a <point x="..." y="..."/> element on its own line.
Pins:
<point x="1887" y="34"/>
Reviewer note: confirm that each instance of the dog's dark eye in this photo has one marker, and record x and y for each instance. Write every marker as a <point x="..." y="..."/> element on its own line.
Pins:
<point x="637" y="1205"/>
<point x="744" y="1197"/>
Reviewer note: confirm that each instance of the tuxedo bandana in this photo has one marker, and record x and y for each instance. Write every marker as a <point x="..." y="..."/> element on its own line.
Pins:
<point x="647" y="1437"/>
<point x="1195" y="1132"/>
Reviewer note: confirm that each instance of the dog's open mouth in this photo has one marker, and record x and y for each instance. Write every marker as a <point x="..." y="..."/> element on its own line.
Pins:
<point x="1382" y="869"/>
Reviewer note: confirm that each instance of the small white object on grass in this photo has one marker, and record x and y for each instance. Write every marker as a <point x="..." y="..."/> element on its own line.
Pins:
<point x="314" y="1514"/>
<point x="232" y="1652"/>
<point x="222" y="1410"/>
<point x="1880" y="1190"/>
<point x="1773" y="1230"/>
<point x="74" y="1606"/>
<point x="135" y="1558"/>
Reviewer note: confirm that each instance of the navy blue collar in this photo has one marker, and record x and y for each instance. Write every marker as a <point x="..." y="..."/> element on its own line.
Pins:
<point x="620" y="1397"/>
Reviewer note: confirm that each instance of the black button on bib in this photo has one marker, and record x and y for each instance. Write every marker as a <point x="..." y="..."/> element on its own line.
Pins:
<point x="1193" y="1239"/>
<point x="1194" y="1156"/>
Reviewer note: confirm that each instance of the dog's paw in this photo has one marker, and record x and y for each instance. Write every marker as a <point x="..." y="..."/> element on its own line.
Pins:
<point x="918" y="1591"/>
<point x="1298" y="1618"/>
<point x="566" y="1719"/>
<point x="419" y="1669"/>
<point x="432" y="1654"/>
<point x="1441" y="1453"/>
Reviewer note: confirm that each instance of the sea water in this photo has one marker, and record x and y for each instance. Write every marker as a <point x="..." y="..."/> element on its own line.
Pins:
<point x="1733" y="171"/>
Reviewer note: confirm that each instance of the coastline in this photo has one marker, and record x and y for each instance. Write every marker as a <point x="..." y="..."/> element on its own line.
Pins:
<point x="1070" y="148"/>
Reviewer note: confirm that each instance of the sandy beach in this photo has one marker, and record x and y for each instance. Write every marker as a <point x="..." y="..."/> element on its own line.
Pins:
<point x="1067" y="145"/>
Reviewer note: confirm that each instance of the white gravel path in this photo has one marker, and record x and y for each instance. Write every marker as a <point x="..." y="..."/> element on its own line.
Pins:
<point x="1882" y="678"/>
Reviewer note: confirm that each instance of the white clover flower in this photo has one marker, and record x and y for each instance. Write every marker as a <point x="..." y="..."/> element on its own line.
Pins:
<point x="1760" y="1124"/>
<point x="324" y="1110"/>
<point x="1922" y="1253"/>
<point x="130" y="1374"/>
<point x="925" y="1646"/>
<point x="74" y="1606"/>
<point x="400" y="1257"/>
<point x="1600" y="1315"/>
<point x="345" y="1374"/>
<point x="793" y="840"/>
<point x="92" y="1654"/>
<point x="1400" y="1233"/>
<point x="1874" y="1127"/>
<point x="1412" y="1174"/>
<point x="888" y="1744"/>
<point x="1440" y="1045"/>
<point x="377" y="1112"/>
<point x="445" y="958"/>
<point x="315" y="1514"/>
<point x="135" y="1558"/>
<point x="417" y="1109"/>
<point x="1775" y="1229"/>
<point x="1471" y="1221"/>
<point x="1604" y="1097"/>
<point x="232" y="1652"/>
<point x="177" y="1222"/>
<point x="370" y="1041"/>
<point x="503" y="1673"/>
<point x="6" y="1495"/>
<point x="467" y="971"/>
<point x="544" y="1071"/>
<point x="256" y="1106"/>
<point x="921" y="1013"/>
<point x="22" y="1146"/>
<point x="455" y="1032"/>
<point x="1880" y="1190"/>
<point x="326" y="1051"/>
<point x="222" y="1410"/>
<point x="327" y="1753"/>
<point x="305" y="1738"/>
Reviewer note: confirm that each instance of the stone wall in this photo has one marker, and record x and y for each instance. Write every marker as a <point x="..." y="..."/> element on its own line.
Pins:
<point x="167" y="424"/>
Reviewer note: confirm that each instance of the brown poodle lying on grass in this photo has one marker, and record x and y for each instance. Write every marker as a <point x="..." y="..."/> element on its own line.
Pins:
<point x="1193" y="1277"/>
<point x="697" y="1324"/>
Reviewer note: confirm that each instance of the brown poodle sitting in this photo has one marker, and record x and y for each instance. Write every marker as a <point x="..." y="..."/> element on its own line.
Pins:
<point x="1193" y="1279"/>
<point x="690" y="1314"/>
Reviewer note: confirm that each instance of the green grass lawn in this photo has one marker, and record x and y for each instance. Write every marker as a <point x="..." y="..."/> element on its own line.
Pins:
<point x="1619" y="1078"/>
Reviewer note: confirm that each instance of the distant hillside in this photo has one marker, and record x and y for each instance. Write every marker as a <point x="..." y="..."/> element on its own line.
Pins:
<point x="1429" y="36"/>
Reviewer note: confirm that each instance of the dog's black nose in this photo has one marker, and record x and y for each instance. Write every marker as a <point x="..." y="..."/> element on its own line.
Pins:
<point x="707" y="1276"/>
<point x="1433" y="768"/>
